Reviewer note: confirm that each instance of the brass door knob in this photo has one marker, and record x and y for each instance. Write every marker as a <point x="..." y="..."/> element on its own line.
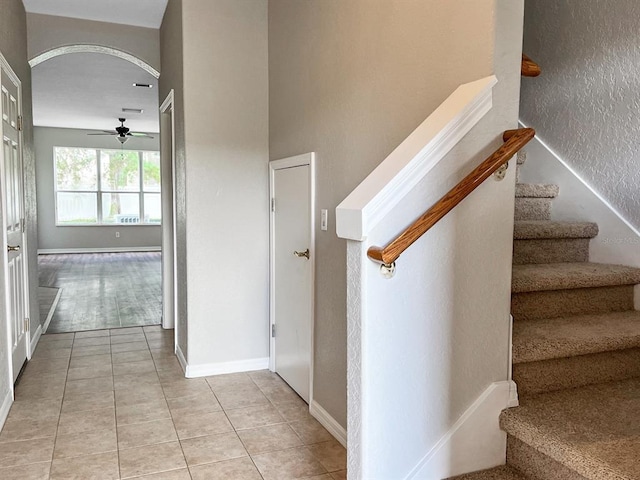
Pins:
<point x="304" y="254"/>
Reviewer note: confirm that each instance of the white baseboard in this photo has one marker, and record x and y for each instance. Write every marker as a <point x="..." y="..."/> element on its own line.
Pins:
<point x="205" y="370"/>
<point x="51" y="311"/>
<point x="618" y="241"/>
<point x="53" y="251"/>
<point x="181" y="359"/>
<point x="6" y="406"/>
<point x="474" y="442"/>
<point x="328" y="422"/>
<point x="35" y="339"/>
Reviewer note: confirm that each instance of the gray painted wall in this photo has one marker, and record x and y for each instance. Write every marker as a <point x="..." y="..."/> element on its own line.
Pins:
<point x="171" y="47"/>
<point x="585" y="103"/>
<point x="51" y="236"/>
<point x="350" y="81"/>
<point x="13" y="45"/>
<point x="227" y="144"/>
<point x="48" y="31"/>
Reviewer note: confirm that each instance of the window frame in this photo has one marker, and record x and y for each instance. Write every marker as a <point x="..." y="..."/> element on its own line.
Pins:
<point x="98" y="192"/>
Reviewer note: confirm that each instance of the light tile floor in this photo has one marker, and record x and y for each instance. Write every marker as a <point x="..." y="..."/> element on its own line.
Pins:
<point x="114" y="404"/>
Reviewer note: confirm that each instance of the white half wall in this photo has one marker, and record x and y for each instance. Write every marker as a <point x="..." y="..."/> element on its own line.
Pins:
<point x="424" y="345"/>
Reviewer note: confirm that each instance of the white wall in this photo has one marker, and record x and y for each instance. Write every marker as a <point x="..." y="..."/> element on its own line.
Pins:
<point x="52" y="237"/>
<point x="48" y="31"/>
<point x="585" y="103"/>
<point x="227" y="147"/>
<point x="425" y="345"/>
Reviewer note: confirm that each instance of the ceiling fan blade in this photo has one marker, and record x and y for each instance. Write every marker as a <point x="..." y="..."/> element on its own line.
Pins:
<point x="139" y="134"/>
<point x="114" y="133"/>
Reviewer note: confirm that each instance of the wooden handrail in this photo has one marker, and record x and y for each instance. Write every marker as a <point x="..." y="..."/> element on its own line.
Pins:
<point x="529" y="68"/>
<point x="514" y="141"/>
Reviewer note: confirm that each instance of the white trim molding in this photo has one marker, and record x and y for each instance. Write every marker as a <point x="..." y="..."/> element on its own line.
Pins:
<point x="6" y="406"/>
<point x="36" y="336"/>
<point x="87" y="48"/>
<point x="54" y="251"/>
<point x="328" y="422"/>
<point x="474" y="442"/>
<point x="208" y="369"/>
<point x="413" y="159"/>
<point x="181" y="359"/>
<point x="52" y="310"/>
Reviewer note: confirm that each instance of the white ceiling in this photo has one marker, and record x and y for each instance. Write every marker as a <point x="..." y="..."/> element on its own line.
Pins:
<point x="141" y="13"/>
<point x="89" y="90"/>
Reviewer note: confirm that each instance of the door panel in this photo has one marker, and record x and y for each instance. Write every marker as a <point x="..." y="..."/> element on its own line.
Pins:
<point x="13" y="213"/>
<point x="292" y="277"/>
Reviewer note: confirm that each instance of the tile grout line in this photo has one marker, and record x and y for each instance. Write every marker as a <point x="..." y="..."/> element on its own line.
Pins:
<point x="64" y="391"/>
<point x="167" y="403"/>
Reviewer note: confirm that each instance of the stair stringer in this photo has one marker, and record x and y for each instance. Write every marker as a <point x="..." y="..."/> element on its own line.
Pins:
<point x="474" y="442"/>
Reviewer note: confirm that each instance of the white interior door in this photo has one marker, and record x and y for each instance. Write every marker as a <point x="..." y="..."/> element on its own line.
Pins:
<point x="292" y="274"/>
<point x="13" y="214"/>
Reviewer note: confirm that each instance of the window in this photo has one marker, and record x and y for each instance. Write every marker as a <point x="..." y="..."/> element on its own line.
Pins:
<point x="106" y="187"/>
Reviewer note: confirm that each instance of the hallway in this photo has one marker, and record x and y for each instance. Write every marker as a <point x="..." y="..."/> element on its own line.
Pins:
<point x="112" y="404"/>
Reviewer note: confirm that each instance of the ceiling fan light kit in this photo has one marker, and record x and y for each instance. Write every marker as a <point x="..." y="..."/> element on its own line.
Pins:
<point x="123" y="133"/>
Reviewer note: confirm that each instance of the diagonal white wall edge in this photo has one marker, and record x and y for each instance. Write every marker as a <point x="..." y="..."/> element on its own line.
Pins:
<point x="618" y="242"/>
<point x="401" y="171"/>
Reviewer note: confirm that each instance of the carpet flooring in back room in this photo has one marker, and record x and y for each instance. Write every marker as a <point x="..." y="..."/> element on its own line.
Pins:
<point x="103" y="290"/>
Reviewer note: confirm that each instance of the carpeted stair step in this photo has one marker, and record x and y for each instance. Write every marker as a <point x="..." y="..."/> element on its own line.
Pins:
<point x="554" y="354"/>
<point x="533" y="202"/>
<point x="538" y="230"/>
<point x="551" y="242"/>
<point x="533" y="190"/>
<point x="532" y="209"/>
<point x="563" y="276"/>
<point x="577" y="301"/>
<point x="590" y="433"/>
<point x="535" y="465"/>
<point x="572" y="336"/>
<point x="504" y="472"/>
<point x="568" y="289"/>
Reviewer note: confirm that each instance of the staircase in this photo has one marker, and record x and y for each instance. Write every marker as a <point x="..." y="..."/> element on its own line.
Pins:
<point x="576" y="354"/>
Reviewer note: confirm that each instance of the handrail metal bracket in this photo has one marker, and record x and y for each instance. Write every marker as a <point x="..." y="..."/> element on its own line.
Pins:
<point x="388" y="270"/>
<point x="501" y="172"/>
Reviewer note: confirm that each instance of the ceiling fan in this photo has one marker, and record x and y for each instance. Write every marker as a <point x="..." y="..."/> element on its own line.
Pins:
<point x="122" y="133"/>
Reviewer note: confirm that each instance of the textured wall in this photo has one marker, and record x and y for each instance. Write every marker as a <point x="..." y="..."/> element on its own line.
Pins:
<point x="13" y="45"/>
<point x="350" y="80"/>
<point x="227" y="139"/>
<point x="51" y="236"/>
<point x="172" y="77"/>
<point x="586" y="104"/>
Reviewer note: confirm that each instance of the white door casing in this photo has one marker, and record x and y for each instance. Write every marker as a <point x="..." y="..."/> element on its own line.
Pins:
<point x="169" y="273"/>
<point x="14" y="242"/>
<point x="292" y="274"/>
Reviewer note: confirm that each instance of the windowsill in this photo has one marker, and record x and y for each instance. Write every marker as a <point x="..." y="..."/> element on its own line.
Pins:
<point x="117" y="225"/>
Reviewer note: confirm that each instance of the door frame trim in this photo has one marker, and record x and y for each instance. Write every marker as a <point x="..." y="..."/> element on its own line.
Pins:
<point x="5" y="69"/>
<point x="290" y="162"/>
<point x="168" y="107"/>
